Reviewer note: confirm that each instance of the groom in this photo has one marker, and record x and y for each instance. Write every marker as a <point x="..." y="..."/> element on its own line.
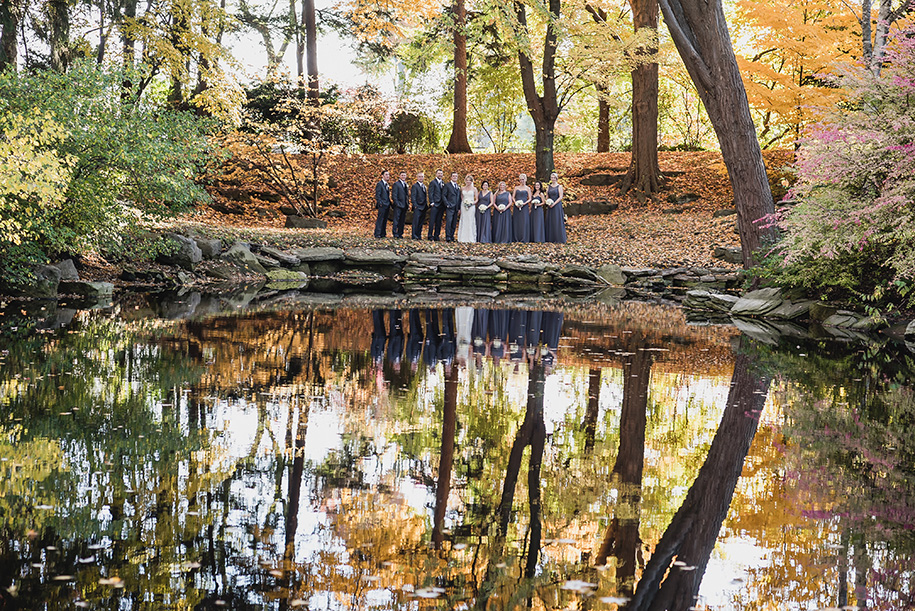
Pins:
<point x="451" y="196"/>
<point x="436" y="207"/>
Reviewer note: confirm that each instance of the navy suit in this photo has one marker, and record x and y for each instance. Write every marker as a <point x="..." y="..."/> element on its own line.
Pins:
<point x="383" y="204"/>
<point x="419" y="201"/>
<point x="451" y="195"/>
<point x="436" y="209"/>
<point x="399" y="201"/>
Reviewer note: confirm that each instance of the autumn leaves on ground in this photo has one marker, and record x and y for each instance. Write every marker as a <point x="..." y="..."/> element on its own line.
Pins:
<point x="666" y="231"/>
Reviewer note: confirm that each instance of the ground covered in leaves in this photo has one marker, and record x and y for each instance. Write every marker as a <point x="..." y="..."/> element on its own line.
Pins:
<point x="664" y="231"/>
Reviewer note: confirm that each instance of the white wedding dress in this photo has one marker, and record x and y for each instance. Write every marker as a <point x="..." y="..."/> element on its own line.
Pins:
<point x="467" y="225"/>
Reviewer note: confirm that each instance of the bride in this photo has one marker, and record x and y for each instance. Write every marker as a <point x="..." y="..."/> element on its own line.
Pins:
<point x="467" y="226"/>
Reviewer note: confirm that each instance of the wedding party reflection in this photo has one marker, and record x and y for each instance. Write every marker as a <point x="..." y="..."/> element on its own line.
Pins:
<point x="457" y="457"/>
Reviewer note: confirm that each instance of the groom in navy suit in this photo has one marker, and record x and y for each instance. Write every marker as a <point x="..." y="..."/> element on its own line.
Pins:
<point x="399" y="202"/>
<point x="419" y="201"/>
<point x="436" y="206"/>
<point x="451" y="195"/>
<point x="382" y="204"/>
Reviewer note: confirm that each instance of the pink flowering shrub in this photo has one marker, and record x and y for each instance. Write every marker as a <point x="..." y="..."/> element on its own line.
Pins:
<point x="853" y="229"/>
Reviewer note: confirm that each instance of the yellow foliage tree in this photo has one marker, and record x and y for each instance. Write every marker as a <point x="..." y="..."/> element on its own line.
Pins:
<point x="788" y="53"/>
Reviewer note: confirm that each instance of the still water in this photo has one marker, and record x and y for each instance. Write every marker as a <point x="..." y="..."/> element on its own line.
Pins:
<point x="449" y="458"/>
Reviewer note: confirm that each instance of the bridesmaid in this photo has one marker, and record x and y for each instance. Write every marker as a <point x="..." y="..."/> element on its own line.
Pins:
<point x="537" y="229"/>
<point x="502" y="216"/>
<point x="484" y="214"/>
<point x="555" y="221"/>
<point x="521" y="215"/>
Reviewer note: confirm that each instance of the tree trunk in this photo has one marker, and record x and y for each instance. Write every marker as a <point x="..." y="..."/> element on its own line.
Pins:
<point x="603" y="122"/>
<point x="10" y="15"/>
<point x="537" y="441"/>
<point x="59" y="34"/>
<point x="446" y="461"/>
<point x="692" y="532"/>
<point x="543" y="151"/>
<point x="622" y="537"/>
<point x="311" y="49"/>
<point x="701" y="35"/>
<point x="458" y="142"/>
<point x="644" y="174"/>
<point x="590" y="424"/>
<point x="128" y="43"/>
<point x="544" y="109"/>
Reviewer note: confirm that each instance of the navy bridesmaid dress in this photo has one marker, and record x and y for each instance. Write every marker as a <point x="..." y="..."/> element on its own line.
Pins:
<point x="502" y="221"/>
<point x="484" y="220"/>
<point x="521" y="220"/>
<point x="554" y="220"/>
<point x="537" y="229"/>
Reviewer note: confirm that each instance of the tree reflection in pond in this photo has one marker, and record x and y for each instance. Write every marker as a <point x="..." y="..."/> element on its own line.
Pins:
<point x="355" y="459"/>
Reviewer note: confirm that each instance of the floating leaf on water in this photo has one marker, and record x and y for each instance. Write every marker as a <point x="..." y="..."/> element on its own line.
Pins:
<point x="687" y="568"/>
<point x="566" y="541"/>
<point x="407" y="587"/>
<point x="679" y="563"/>
<point x="44" y="507"/>
<point x="298" y="602"/>
<point x="96" y="546"/>
<point x="63" y="578"/>
<point x="116" y="582"/>
<point x="193" y="513"/>
<point x="370" y="578"/>
<point x="86" y="560"/>
<point x="276" y="573"/>
<point x="576" y="585"/>
<point x="37" y="565"/>
<point x="614" y="600"/>
<point x="460" y="545"/>
<point x="81" y="604"/>
<point x="501" y="565"/>
<point x="189" y="566"/>
<point x="429" y="592"/>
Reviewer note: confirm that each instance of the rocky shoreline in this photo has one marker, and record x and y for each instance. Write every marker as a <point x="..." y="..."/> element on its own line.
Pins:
<point x="261" y="273"/>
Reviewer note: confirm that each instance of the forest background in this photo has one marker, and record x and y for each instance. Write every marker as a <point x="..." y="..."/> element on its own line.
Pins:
<point x="112" y="109"/>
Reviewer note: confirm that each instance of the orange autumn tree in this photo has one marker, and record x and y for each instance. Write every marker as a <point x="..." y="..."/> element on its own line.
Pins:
<point x="786" y="52"/>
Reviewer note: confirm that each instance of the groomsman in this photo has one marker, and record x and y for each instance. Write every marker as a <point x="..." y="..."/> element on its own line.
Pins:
<point x="451" y="195"/>
<point x="436" y="206"/>
<point x="399" y="200"/>
<point x="382" y="204"/>
<point x="419" y="201"/>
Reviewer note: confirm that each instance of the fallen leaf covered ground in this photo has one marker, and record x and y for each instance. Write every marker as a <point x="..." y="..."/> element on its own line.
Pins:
<point x="657" y="232"/>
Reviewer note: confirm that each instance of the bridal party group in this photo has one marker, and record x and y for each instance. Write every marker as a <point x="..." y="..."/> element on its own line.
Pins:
<point x="526" y="213"/>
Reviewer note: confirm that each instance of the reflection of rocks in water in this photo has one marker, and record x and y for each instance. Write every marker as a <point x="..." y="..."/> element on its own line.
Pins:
<point x="179" y="306"/>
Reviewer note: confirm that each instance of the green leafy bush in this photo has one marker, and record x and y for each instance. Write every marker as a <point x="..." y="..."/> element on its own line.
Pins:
<point x="82" y="161"/>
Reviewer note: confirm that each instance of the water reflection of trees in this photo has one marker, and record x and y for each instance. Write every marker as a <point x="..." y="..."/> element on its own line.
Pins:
<point x="426" y="487"/>
<point x="844" y="480"/>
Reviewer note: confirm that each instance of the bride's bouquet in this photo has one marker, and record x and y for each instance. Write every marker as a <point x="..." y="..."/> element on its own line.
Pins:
<point x="482" y="207"/>
<point x="468" y="205"/>
<point x="550" y="202"/>
<point x="519" y="202"/>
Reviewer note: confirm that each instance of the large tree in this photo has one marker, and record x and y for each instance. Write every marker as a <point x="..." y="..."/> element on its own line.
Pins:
<point x="458" y="142"/>
<point x="10" y="16"/>
<point x="644" y="173"/>
<point x="700" y="32"/>
<point x="544" y="108"/>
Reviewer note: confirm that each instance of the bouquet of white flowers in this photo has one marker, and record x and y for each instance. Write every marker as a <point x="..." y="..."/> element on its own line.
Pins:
<point x="550" y="202"/>
<point x="482" y="207"/>
<point x="502" y="207"/>
<point x="519" y="202"/>
<point x="468" y="205"/>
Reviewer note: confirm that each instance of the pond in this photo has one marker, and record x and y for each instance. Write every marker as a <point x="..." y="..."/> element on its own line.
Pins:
<point x="406" y="457"/>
